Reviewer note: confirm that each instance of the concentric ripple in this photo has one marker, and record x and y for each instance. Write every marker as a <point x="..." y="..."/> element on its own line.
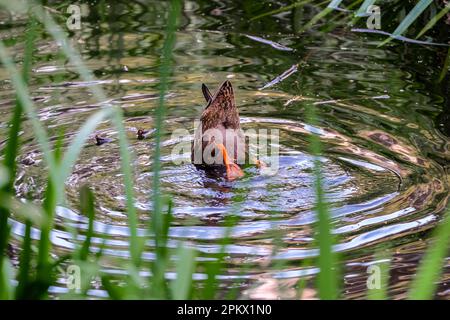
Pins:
<point x="382" y="159"/>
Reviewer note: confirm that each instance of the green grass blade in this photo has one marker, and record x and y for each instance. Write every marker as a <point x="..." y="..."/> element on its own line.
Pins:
<point x="322" y="14"/>
<point x="327" y="279"/>
<point x="4" y="176"/>
<point x="362" y="11"/>
<point x="412" y="16"/>
<point x="43" y="278"/>
<point x="117" y="120"/>
<point x="182" y="285"/>
<point x="165" y="71"/>
<point x="409" y="19"/>
<point x="433" y="21"/>
<point x="87" y="75"/>
<point x="213" y="268"/>
<point x="430" y="268"/>
<point x="445" y="67"/>
<point x="157" y="219"/>
<point x="342" y="15"/>
<point x="8" y="274"/>
<point x="13" y="143"/>
<point x="334" y="4"/>
<point x="25" y="100"/>
<point x="46" y="19"/>
<point x="23" y="278"/>
<point x="115" y="292"/>
<point x="45" y="266"/>
<point x="75" y="59"/>
<point x="126" y="168"/>
<point x="87" y="208"/>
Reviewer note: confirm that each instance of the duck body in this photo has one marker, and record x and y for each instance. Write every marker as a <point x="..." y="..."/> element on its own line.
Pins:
<point x="219" y="145"/>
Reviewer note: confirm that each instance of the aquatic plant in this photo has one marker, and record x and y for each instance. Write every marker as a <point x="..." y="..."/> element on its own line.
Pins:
<point x="425" y="18"/>
<point x="352" y="13"/>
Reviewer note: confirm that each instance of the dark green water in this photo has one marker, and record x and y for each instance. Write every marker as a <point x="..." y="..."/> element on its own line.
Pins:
<point x="385" y="158"/>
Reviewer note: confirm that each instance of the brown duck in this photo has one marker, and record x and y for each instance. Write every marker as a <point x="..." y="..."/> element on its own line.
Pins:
<point x="219" y="144"/>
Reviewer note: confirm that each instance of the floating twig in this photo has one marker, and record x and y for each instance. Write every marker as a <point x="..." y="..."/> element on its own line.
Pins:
<point x="296" y="98"/>
<point x="281" y="77"/>
<point x="273" y="44"/>
<point x="358" y="98"/>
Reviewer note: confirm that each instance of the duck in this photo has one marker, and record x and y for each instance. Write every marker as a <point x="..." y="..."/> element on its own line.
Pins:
<point x="219" y="145"/>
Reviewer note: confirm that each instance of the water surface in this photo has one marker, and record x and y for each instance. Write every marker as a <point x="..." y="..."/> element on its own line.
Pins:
<point x="384" y="157"/>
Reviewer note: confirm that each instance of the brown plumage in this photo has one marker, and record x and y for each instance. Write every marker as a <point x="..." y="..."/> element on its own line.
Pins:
<point x="219" y="131"/>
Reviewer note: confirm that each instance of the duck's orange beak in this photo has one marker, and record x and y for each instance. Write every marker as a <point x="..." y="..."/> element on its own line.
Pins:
<point x="233" y="170"/>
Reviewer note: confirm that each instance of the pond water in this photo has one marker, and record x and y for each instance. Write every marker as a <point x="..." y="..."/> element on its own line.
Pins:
<point x="384" y="158"/>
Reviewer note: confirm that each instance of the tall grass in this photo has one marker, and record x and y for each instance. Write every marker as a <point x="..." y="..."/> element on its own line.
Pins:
<point x="35" y="282"/>
<point x="352" y="14"/>
<point x="337" y="7"/>
<point x="10" y="154"/>
<point x="410" y="18"/>
<point x="327" y="280"/>
<point x="159" y="224"/>
<point x="425" y="283"/>
<point x="59" y="171"/>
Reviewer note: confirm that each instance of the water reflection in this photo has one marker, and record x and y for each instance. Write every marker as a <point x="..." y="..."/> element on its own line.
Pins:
<point x="383" y="156"/>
